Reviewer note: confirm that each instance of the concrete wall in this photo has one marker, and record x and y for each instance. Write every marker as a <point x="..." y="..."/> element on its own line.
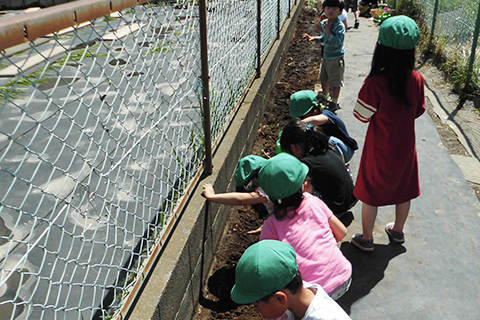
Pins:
<point x="172" y="291"/>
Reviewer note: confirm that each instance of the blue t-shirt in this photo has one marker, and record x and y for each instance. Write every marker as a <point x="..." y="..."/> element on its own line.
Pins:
<point x="336" y="128"/>
<point x="333" y="45"/>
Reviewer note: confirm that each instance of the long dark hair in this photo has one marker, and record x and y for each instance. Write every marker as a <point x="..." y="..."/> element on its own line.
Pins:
<point x="311" y="138"/>
<point x="396" y="65"/>
<point x="291" y="202"/>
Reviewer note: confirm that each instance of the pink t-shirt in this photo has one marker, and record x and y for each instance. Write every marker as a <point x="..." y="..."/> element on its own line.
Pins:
<point x="319" y="258"/>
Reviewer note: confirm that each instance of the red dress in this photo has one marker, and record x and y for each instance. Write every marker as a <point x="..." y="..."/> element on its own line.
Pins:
<point x="388" y="172"/>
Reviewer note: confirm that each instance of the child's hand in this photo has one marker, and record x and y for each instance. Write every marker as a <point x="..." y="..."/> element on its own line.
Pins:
<point x="308" y="37"/>
<point x="256" y="231"/>
<point x="327" y="26"/>
<point x="208" y="190"/>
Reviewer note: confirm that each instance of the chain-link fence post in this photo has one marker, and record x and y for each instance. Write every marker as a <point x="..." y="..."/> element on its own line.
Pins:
<point x="278" y="19"/>
<point x="468" y="85"/>
<point x="434" y="20"/>
<point x="259" y="37"/>
<point x="205" y="87"/>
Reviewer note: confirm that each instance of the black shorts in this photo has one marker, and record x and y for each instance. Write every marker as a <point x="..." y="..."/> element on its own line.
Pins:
<point x="353" y="4"/>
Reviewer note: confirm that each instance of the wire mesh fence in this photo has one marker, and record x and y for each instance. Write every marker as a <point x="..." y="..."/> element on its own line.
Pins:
<point x="452" y="23"/>
<point x="101" y="136"/>
<point x="233" y="31"/>
<point x="232" y="37"/>
<point x="100" y="133"/>
<point x="455" y="25"/>
<point x="455" y="20"/>
<point x="452" y="26"/>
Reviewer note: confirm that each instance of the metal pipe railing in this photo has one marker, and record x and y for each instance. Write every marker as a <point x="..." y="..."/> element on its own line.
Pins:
<point x="33" y="25"/>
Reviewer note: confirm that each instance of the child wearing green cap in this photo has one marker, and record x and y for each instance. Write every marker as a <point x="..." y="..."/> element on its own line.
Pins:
<point x="333" y="63"/>
<point x="246" y="181"/>
<point x="304" y="105"/>
<point x="249" y="192"/>
<point x="390" y="100"/>
<point x="267" y="275"/>
<point x="306" y="223"/>
<point x="329" y="177"/>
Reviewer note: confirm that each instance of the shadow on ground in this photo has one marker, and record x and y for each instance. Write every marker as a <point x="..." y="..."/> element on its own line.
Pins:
<point x="220" y="284"/>
<point x="368" y="269"/>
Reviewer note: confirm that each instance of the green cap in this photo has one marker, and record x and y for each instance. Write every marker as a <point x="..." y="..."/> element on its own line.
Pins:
<point x="248" y="167"/>
<point x="399" y="32"/>
<point x="302" y="102"/>
<point x="279" y="149"/>
<point x="264" y="268"/>
<point x="282" y="176"/>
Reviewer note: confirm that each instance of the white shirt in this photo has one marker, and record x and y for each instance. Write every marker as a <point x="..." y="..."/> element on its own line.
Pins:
<point x="322" y="307"/>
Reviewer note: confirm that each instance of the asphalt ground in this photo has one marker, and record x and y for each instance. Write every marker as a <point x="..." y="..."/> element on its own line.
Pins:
<point x="435" y="274"/>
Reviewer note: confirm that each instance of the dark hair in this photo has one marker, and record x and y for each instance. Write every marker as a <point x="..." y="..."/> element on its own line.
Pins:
<point x="311" y="138"/>
<point x="396" y="65"/>
<point x="250" y="186"/>
<point x="293" y="286"/>
<point x="293" y="201"/>
<point x="334" y="3"/>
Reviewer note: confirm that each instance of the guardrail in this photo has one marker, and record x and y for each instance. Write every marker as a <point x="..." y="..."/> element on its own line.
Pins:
<point x="102" y="137"/>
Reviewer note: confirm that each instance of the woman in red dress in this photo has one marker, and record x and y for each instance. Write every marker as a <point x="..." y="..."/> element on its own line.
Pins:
<point x="390" y="100"/>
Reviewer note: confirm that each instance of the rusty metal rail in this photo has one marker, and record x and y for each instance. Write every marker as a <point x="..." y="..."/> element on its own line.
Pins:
<point x="33" y="25"/>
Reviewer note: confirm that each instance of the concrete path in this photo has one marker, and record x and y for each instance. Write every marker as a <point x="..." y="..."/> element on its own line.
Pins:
<point x="436" y="273"/>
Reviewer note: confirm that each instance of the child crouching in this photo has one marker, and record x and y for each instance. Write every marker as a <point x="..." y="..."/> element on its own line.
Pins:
<point x="267" y="275"/>
<point x="306" y="223"/>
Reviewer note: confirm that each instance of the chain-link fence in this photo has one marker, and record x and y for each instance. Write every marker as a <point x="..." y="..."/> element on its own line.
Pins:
<point x="454" y="25"/>
<point x="101" y="139"/>
<point x="455" y="20"/>
<point x="452" y="28"/>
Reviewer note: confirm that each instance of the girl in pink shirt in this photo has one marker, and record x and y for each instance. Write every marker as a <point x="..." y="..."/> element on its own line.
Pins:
<point x="306" y="223"/>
